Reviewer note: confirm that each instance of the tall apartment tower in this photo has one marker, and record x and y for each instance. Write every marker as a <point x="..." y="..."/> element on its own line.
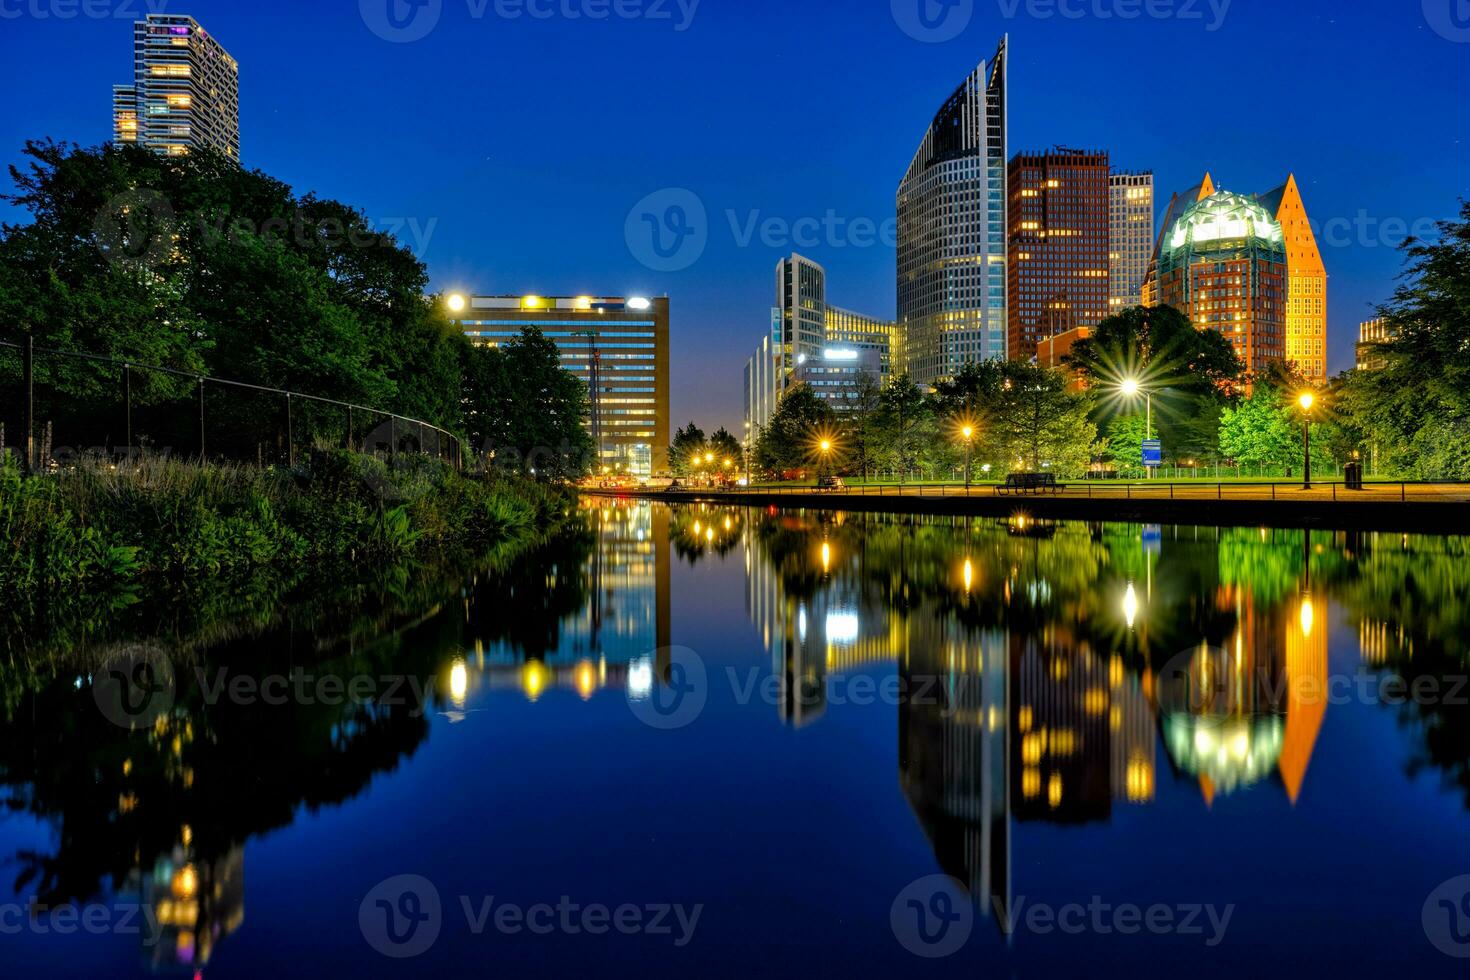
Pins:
<point x="1131" y="236"/>
<point x="1059" y="231"/>
<point x="1306" y="303"/>
<point x="185" y="91"/>
<point x="952" y="231"/>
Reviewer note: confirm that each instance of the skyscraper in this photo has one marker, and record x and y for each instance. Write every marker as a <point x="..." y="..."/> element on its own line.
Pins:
<point x="1306" y="304"/>
<point x="952" y="231"/>
<point x="185" y="91"/>
<point x="801" y="298"/>
<point x="1223" y="264"/>
<point x="1059" y="231"/>
<point x="618" y="346"/>
<point x="1131" y="236"/>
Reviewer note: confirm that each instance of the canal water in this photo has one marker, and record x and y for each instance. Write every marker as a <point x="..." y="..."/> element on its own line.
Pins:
<point x="714" y="741"/>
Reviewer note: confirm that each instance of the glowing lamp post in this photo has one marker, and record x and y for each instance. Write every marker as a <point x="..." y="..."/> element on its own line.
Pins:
<point x="967" y="432"/>
<point x="456" y="303"/>
<point x="1306" y="401"/>
<point x="1132" y="388"/>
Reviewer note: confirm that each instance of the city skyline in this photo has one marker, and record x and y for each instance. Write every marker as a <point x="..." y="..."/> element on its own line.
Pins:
<point x="848" y="166"/>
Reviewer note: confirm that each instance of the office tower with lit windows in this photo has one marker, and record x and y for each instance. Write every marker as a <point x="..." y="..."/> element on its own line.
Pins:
<point x="1306" y="302"/>
<point x="1059" y="233"/>
<point x="952" y="231"/>
<point x="618" y="346"/>
<point x="1223" y="263"/>
<point x="1130" y="236"/>
<point x="801" y="300"/>
<point x="810" y="342"/>
<point x="185" y="91"/>
<point x="1371" y="333"/>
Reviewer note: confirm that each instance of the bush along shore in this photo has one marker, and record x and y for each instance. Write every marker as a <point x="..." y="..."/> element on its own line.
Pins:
<point x="100" y="530"/>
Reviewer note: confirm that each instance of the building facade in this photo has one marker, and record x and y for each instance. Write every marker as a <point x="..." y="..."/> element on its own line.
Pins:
<point x="814" y="343"/>
<point x="1223" y="264"/>
<point x="619" y="347"/>
<point x="1306" y="302"/>
<point x="1059" y="229"/>
<point x="1130" y="236"/>
<point x="801" y="299"/>
<point x="952" y="231"/>
<point x="1371" y="333"/>
<point x="185" y="91"/>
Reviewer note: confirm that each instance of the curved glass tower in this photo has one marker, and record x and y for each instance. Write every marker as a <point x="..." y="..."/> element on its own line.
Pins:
<point x="952" y="231"/>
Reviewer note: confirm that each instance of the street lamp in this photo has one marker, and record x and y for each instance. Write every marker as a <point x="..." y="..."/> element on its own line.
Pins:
<point x="1306" y="400"/>
<point x="456" y="303"/>
<point x="1131" y="388"/>
<point x="826" y="446"/>
<point x="967" y="432"/>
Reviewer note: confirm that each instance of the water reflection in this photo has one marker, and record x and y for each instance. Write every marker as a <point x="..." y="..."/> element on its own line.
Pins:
<point x="1048" y="673"/>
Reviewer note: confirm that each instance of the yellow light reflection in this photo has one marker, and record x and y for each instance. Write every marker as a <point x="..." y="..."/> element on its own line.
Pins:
<point x="969" y="574"/>
<point x="586" y="680"/>
<point x="459" y="683"/>
<point x="1130" y="605"/>
<point x="534" y="678"/>
<point x="1309" y="616"/>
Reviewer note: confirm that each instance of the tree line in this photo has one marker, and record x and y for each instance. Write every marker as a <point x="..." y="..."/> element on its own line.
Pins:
<point x="196" y="264"/>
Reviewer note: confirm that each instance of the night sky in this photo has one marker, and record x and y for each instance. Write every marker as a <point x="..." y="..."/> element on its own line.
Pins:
<point x="515" y="147"/>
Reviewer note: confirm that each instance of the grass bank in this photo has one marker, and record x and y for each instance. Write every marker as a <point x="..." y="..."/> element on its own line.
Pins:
<point x="96" y="529"/>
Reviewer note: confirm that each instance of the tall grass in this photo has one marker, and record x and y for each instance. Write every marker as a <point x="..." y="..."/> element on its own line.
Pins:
<point x="100" y="527"/>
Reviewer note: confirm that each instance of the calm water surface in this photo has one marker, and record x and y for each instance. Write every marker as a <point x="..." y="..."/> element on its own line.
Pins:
<point x="710" y="741"/>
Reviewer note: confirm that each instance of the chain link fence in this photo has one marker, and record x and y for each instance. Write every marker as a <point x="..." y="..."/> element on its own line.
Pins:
<point x="59" y="407"/>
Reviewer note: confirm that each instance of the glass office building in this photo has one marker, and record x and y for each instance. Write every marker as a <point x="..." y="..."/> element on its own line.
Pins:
<point x="618" y="346"/>
<point x="952" y="231"/>
<point x="1131" y="236"/>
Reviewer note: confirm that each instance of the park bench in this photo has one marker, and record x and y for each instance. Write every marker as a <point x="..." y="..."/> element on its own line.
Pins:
<point x="830" y="483"/>
<point x="1030" y="483"/>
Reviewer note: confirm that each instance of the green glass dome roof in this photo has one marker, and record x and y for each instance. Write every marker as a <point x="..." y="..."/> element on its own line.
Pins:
<point x="1224" y="220"/>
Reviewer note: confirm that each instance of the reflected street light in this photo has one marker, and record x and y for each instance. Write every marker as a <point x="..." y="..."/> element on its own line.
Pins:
<point x="1306" y="400"/>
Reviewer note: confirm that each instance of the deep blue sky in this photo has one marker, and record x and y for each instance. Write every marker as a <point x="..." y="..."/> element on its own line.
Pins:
<point x="524" y="143"/>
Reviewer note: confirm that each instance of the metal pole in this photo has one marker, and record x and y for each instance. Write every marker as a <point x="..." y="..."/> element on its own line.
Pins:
<point x="28" y="372"/>
<point x="1306" y="454"/>
<point x="349" y="427"/>
<point x="201" y="420"/>
<point x="290" y="434"/>
<point x="392" y="437"/>
<point x="128" y="409"/>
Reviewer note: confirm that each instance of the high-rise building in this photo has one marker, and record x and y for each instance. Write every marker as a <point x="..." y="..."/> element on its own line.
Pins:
<point x="1059" y="239"/>
<point x="810" y="342"/>
<point x="185" y="91"/>
<point x="618" y="346"/>
<point x="762" y="389"/>
<point x="1371" y="333"/>
<point x="952" y="231"/>
<point x="1304" y="308"/>
<point x="1223" y="264"/>
<point x="848" y="329"/>
<point x="1131" y="238"/>
<point x="801" y="297"/>
<point x="1306" y="303"/>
